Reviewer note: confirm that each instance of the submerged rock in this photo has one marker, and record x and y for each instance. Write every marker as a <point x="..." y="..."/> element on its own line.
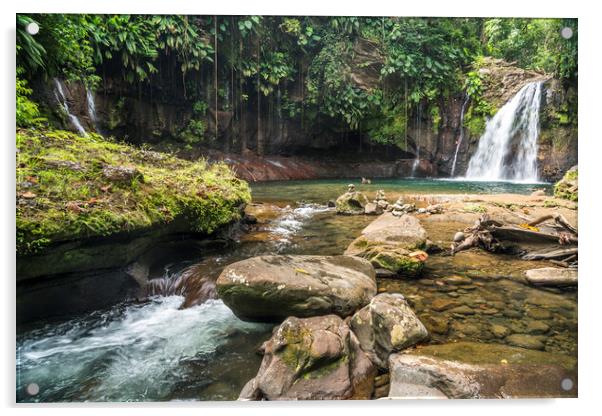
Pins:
<point x="315" y="358"/>
<point x="391" y="243"/>
<point x="473" y="370"/>
<point x="551" y="276"/>
<point x="386" y="325"/>
<point x="272" y="288"/>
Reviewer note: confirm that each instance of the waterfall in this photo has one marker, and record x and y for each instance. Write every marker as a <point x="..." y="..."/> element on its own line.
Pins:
<point x="508" y="148"/>
<point x="417" y="160"/>
<point x="461" y="138"/>
<point x="59" y="94"/>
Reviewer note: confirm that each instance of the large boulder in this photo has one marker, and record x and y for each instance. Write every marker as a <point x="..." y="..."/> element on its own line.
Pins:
<point x="272" y="288"/>
<point x="387" y="324"/>
<point x="467" y="370"/>
<point x="552" y="276"/>
<point x="392" y="243"/>
<point x="315" y="358"/>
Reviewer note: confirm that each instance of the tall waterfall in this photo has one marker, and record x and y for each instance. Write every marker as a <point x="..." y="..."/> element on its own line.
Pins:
<point x="59" y="94"/>
<point x="508" y="148"/>
<point x="461" y="138"/>
<point x="418" y="134"/>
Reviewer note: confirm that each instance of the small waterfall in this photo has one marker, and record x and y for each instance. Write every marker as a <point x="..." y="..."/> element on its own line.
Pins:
<point x="59" y="94"/>
<point x="92" y="110"/>
<point x="418" y="134"/>
<point x="508" y="148"/>
<point x="461" y="138"/>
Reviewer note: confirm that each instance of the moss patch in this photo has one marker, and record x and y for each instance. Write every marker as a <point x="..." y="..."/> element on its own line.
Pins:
<point x="63" y="192"/>
<point x="567" y="187"/>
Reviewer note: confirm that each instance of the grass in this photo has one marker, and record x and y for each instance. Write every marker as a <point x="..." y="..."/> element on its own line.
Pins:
<point x="63" y="194"/>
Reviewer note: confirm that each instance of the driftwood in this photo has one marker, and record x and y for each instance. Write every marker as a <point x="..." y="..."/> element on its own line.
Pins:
<point x="491" y="235"/>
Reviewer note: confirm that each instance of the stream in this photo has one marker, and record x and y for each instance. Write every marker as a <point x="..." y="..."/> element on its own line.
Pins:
<point x="154" y="350"/>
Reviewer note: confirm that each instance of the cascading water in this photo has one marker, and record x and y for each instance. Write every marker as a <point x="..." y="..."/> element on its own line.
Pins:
<point x="92" y="110"/>
<point x="59" y="94"/>
<point x="508" y="148"/>
<point x="418" y="134"/>
<point x="461" y="138"/>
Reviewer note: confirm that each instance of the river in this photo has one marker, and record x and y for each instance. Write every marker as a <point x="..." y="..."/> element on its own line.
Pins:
<point x="155" y="350"/>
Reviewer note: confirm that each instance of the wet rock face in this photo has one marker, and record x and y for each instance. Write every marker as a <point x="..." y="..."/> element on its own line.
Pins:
<point x="390" y="243"/>
<point x="315" y="358"/>
<point x="387" y="325"/>
<point x="470" y="370"/>
<point x="568" y="186"/>
<point x="272" y="288"/>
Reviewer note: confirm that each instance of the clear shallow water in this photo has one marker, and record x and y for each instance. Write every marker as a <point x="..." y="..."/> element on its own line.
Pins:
<point x="156" y="351"/>
<point x="321" y="191"/>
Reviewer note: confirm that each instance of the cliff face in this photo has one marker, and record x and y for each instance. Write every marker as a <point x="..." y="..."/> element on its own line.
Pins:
<point x="141" y="117"/>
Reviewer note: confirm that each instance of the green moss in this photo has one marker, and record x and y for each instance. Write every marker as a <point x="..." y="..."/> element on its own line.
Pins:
<point x="62" y="193"/>
<point x="475" y="208"/>
<point x="567" y="187"/>
<point x="397" y="263"/>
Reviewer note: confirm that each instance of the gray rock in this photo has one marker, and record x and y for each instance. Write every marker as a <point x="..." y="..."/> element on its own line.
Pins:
<point x="473" y="370"/>
<point x="272" y="288"/>
<point x="551" y="276"/>
<point x="386" y="325"/>
<point x="312" y="359"/>
<point x="372" y="209"/>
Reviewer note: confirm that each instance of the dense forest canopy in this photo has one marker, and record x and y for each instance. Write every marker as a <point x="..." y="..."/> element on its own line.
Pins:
<point x="232" y="62"/>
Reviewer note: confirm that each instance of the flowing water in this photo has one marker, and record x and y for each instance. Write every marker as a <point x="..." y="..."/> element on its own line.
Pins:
<point x="461" y="138"/>
<point x="158" y="349"/>
<point x="508" y="148"/>
<point x="59" y="94"/>
<point x="92" y="110"/>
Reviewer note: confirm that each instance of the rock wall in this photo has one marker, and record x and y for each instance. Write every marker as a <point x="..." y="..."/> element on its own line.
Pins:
<point x="297" y="150"/>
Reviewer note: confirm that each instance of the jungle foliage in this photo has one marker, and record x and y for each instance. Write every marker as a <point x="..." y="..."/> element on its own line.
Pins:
<point x="300" y="64"/>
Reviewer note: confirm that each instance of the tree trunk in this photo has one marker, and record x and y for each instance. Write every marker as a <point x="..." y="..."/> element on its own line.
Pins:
<point x="260" y="143"/>
<point x="215" y="71"/>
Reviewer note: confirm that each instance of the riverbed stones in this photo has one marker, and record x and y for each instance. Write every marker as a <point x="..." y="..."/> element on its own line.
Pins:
<point x="392" y="243"/>
<point x="537" y="328"/>
<point x="441" y="304"/>
<point x="387" y="324"/>
<point x="530" y="342"/>
<point x="316" y="358"/>
<point x="475" y="370"/>
<point x="272" y="288"/>
<point x="551" y="276"/>
<point x="351" y="202"/>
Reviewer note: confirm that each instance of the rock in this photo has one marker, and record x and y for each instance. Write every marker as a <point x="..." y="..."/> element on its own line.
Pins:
<point x="386" y="325"/>
<point x="272" y="288"/>
<point x="459" y="237"/>
<point x="474" y="370"/>
<point x="441" y="304"/>
<point x="351" y="202"/>
<point x="372" y="209"/>
<point x="551" y="276"/>
<point x="457" y="280"/>
<point x="436" y="324"/>
<point x="568" y="186"/>
<point x="537" y="313"/>
<point x="390" y="242"/>
<point x="499" y="331"/>
<point x="331" y="203"/>
<point x="122" y="174"/>
<point x="315" y="358"/>
<point x="462" y="310"/>
<point x="539" y="192"/>
<point x="537" y="328"/>
<point x="525" y="341"/>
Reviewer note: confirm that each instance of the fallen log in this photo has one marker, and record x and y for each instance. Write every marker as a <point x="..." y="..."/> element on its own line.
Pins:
<point x="551" y="254"/>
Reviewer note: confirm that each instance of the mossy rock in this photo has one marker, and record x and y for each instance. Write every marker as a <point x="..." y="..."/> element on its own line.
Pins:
<point x="351" y="203"/>
<point x="399" y="263"/>
<point x="568" y="186"/>
<point x="71" y="188"/>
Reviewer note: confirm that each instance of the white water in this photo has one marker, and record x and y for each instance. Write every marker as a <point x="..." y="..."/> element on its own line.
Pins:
<point x="508" y="148"/>
<point x="59" y="94"/>
<point x="130" y="352"/>
<point x="92" y="110"/>
<point x="461" y="138"/>
<point x="292" y="221"/>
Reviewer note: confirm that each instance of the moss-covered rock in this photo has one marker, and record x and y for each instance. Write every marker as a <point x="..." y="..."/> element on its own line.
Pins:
<point x="568" y="186"/>
<point x="315" y="358"/>
<point x="72" y="188"/>
<point x="351" y="203"/>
